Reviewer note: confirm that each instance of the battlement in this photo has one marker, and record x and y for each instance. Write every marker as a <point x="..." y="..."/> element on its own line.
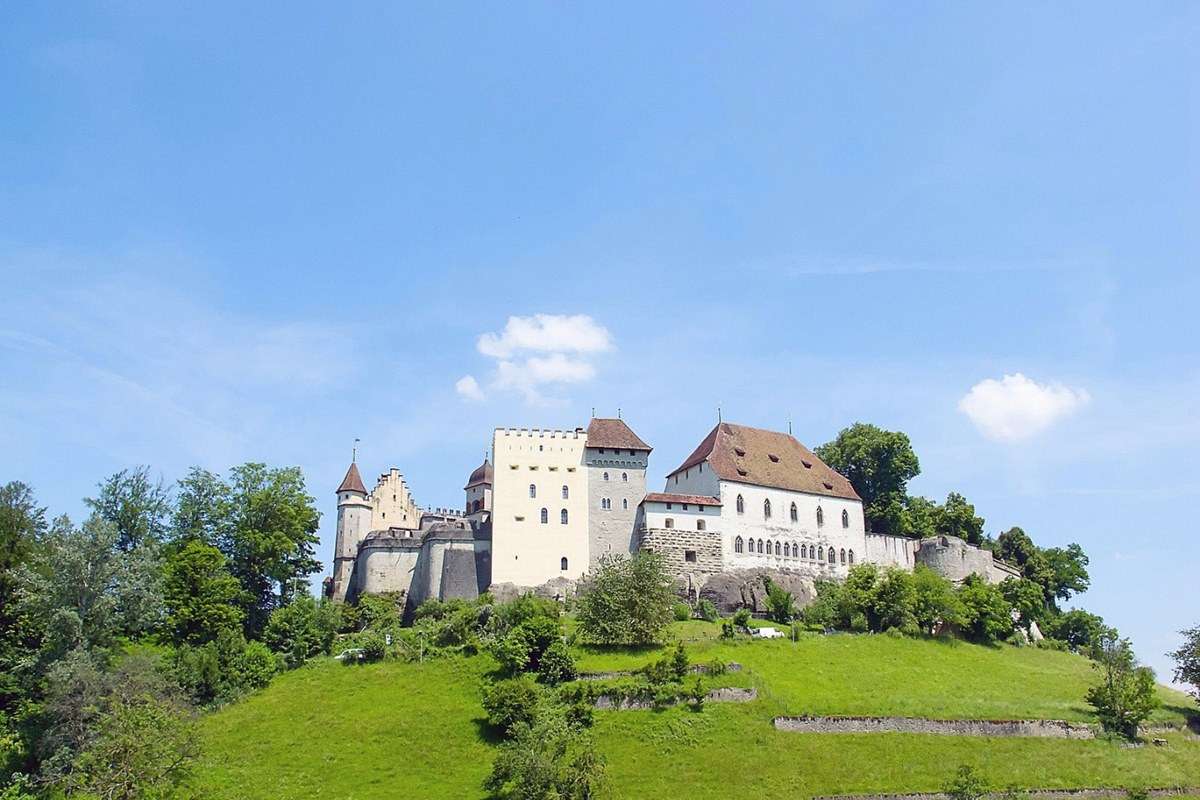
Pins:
<point x="543" y="433"/>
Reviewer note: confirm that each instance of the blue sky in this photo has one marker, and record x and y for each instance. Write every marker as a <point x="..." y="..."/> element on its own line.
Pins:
<point x="232" y="234"/>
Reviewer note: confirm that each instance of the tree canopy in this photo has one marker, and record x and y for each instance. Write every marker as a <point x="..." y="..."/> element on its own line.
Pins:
<point x="879" y="464"/>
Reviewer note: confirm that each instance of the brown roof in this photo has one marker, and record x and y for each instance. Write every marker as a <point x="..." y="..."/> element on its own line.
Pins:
<point x="767" y="458"/>
<point x="482" y="474"/>
<point x="614" y="433"/>
<point x="667" y="497"/>
<point x="353" y="481"/>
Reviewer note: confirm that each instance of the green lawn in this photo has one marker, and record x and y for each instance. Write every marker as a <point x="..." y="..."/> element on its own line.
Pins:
<point x="414" y="730"/>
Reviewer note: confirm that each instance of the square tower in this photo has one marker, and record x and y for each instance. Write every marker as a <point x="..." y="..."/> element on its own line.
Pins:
<point x="616" y="460"/>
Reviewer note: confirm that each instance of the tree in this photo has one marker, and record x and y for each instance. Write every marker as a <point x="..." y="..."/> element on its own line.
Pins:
<point x="139" y="508"/>
<point x="987" y="614"/>
<point x="301" y="630"/>
<point x="780" y="604"/>
<point x="626" y="600"/>
<point x="934" y="601"/>
<point x="957" y="518"/>
<point x="1015" y="546"/>
<point x="1026" y="597"/>
<point x="1187" y="660"/>
<point x="1125" y="695"/>
<point x="22" y="526"/>
<point x="1079" y="629"/>
<point x="201" y="597"/>
<point x="878" y="463"/>
<point x="549" y="758"/>
<point x="893" y="601"/>
<point x="917" y="518"/>
<point x="1068" y="572"/>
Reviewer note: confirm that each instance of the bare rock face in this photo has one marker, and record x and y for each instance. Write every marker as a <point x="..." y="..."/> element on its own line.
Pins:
<point x="747" y="588"/>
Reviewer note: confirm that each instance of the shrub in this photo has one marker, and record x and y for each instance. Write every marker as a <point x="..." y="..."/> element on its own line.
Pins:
<point x="707" y="611"/>
<point x="716" y="667"/>
<point x="893" y="601"/>
<point x="557" y="666"/>
<point x="547" y="759"/>
<point x="728" y="629"/>
<point x="741" y="618"/>
<point x="780" y="604"/>
<point x="934" y="602"/>
<point x="967" y="784"/>
<point x="696" y="694"/>
<point x="987" y="614"/>
<point x="682" y="612"/>
<point x="511" y="702"/>
<point x="373" y="645"/>
<point x="302" y="629"/>
<point x="679" y="662"/>
<point x="521" y="649"/>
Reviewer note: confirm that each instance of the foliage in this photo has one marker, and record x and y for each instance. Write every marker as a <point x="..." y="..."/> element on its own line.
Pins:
<point x="557" y="665"/>
<point x="1187" y="660"/>
<point x="780" y="604"/>
<point x="511" y="701"/>
<point x="967" y="784"/>
<point x="200" y="595"/>
<point x="22" y="526"/>
<point x="956" y="517"/>
<point x="137" y="507"/>
<point x="264" y="522"/>
<point x="380" y="612"/>
<point x="741" y="618"/>
<point x="1125" y="695"/>
<point x="224" y="668"/>
<point x="934" y="601"/>
<point x="893" y="602"/>
<point x="879" y="464"/>
<point x="522" y="648"/>
<point x="986" y="614"/>
<point x="373" y="644"/>
<point x="303" y="629"/>
<point x="682" y="612"/>
<point x="549" y="758"/>
<point x="707" y="611"/>
<point x="1026" y="598"/>
<point x="626" y="600"/>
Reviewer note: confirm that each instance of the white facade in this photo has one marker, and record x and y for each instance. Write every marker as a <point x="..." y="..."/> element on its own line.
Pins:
<point x="392" y="504"/>
<point x="539" y="505"/>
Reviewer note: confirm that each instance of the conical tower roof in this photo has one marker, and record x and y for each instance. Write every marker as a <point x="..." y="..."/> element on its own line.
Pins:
<point x="353" y="481"/>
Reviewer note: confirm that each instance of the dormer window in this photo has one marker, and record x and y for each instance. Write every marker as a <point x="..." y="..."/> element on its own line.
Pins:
<point x="742" y="472"/>
<point x="739" y="451"/>
<point x="807" y="464"/>
<point x="773" y="457"/>
<point x="827" y="485"/>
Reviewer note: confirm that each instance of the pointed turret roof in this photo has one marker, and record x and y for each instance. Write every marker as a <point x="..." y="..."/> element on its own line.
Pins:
<point x="353" y="481"/>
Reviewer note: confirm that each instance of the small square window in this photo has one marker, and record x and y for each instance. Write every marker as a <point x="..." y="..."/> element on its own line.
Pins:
<point x="668" y="506"/>
<point x="689" y="556"/>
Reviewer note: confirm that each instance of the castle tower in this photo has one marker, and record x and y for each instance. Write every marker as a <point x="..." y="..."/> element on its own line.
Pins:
<point x="479" y="491"/>
<point x="353" y="523"/>
<point x="616" y="459"/>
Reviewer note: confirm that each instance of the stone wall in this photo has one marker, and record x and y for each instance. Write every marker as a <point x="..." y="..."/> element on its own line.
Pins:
<point x="891" y="551"/>
<point x="1042" y="728"/>
<point x="954" y="559"/>
<point x="691" y="556"/>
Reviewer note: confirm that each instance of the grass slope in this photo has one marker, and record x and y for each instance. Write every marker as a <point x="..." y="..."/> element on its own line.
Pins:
<point x="378" y="731"/>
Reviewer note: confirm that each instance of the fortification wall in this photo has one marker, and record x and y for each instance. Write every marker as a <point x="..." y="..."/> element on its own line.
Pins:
<point x="691" y="556"/>
<point x="954" y="559"/>
<point x="891" y="551"/>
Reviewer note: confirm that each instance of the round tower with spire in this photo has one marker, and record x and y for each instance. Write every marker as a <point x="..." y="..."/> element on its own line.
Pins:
<point x="479" y="490"/>
<point x="353" y="523"/>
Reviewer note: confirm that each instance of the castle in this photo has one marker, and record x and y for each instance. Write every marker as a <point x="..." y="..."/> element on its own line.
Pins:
<point x="555" y="501"/>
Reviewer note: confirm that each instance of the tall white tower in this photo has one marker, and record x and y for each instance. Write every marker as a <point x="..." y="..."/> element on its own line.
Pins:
<point x="353" y="523"/>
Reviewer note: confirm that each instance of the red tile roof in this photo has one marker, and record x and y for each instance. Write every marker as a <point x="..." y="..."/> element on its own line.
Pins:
<point x="353" y="481"/>
<point x="667" y="497"/>
<point x="767" y="458"/>
<point x="614" y="433"/>
<point x="483" y="474"/>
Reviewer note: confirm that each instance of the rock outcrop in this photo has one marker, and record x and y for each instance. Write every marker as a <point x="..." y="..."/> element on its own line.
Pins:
<point x="747" y="588"/>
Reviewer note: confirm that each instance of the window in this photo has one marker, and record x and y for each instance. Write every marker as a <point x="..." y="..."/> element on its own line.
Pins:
<point x="842" y="555"/>
<point x="699" y="524"/>
<point x="795" y="514"/>
<point x="760" y="546"/>
<point x="845" y="518"/>
<point x="562" y="563"/>
<point x="766" y="509"/>
<point x="689" y="556"/>
<point x="668" y="523"/>
<point x="804" y="551"/>
<point x="566" y="492"/>
<point x="562" y="516"/>
<point x="741" y="505"/>
<point x="768" y="547"/>
<point x="737" y="545"/>
<point x="606" y="476"/>
<point x="605" y="503"/>
<point x="820" y="553"/>
<point x="625" y="503"/>
<point x="820" y="516"/>
<point x="850" y="555"/>
<point x="778" y="549"/>
<point x="532" y="490"/>
<point x="545" y="516"/>
<point x="625" y="477"/>
<point x="832" y="556"/>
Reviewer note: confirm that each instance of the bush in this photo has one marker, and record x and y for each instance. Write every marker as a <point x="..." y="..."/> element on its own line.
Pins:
<point x="716" y="667"/>
<point x="697" y="694"/>
<point x="967" y="784"/>
<point x="626" y="600"/>
<point x="707" y="611"/>
<point x="302" y="629"/>
<point x="679" y="662"/>
<point x="780" y="604"/>
<point x="557" y="666"/>
<point x="682" y="612"/>
<point x="934" y="602"/>
<point x="511" y="702"/>
<point x="741" y="618"/>
<point x="373" y="645"/>
<point x="987" y="614"/>
<point x="728" y="629"/>
<point x="893" y="601"/>
<point x="224" y="669"/>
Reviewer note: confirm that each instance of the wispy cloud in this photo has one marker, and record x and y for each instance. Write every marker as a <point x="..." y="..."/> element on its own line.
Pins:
<point x="538" y="352"/>
<point x="1016" y="407"/>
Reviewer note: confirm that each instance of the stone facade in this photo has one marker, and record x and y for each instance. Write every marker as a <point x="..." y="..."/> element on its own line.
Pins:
<point x="691" y="556"/>
<point x="954" y="559"/>
<point x="616" y="485"/>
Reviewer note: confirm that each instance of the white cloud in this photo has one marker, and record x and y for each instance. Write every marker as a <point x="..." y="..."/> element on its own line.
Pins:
<point x="539" y="352"/>
<point x="468" y="388"/>
<point x="547" y="333"/>
<point x="1015" y="407"/>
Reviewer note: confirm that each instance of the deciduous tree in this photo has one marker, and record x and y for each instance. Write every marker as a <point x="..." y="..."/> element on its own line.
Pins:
<point x="1187" y="660"/>
<point x="878" y="463"/>
<point x="138" y="507"/>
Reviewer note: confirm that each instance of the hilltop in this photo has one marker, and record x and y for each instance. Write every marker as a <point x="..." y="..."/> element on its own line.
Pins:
<point x="364" y="732"/>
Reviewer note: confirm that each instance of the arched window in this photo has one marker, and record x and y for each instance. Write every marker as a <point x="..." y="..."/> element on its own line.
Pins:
<point x="625" y="503"/>
<point x="668" y="523"/>
<point x="737" y="545"/>
<point x="624" y="476"/>
<point x="795" y="514"/>
<point x="562" y="516"/>
<point x="845" y="518"/>
<point x="606" y="476"/>
<point x="804" y="551"/>
<point x="820" y="516"/>
<point x="566" y="492"/>
<point x="787" y="549"/>
<point x="476" y="505"/>
<point x="545" y="516"/>
<point x="842" y="555"/>
<point x="532" y="490"/>
<point x="850" y="555"/>
<point x="832" y="556"/>
<point x="562" y="563"/>
<point x="766" y="509"/>
<point x="760" y="546"/>
<point x="821" y="553"/>
<point x="699" y="524"/>
<point x="741" y="505"/>
<point x="768" y="547"/>
<point x="778" y="549"/>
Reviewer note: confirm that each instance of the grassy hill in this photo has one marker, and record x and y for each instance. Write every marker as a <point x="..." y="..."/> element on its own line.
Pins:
<point x="329" y="731"/>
